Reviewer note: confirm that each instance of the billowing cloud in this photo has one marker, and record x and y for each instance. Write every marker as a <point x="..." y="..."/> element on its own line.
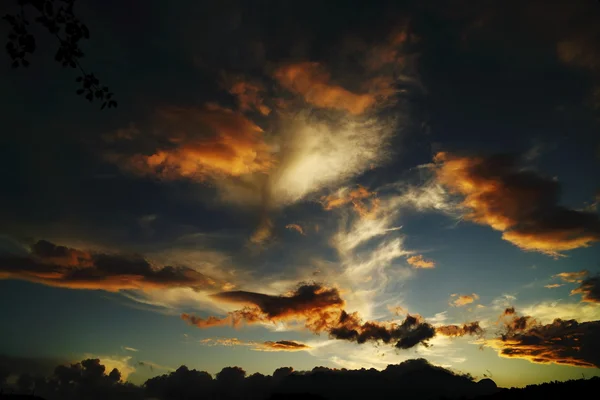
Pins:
<point x="313" y="83"/>
<point x="419" y="262"/>
<point x="61" y="266"/>
<point x="520" y="203"/>
<point x="565" y="342"/>
<point x="200" y="143"/>
<point x="460" y="300"/>
<point x="589" y="289"/>
<point x="295" y="227"/>
<point x="321" y="310"/>
<point x="572" y="277"/>
<point x="249" y="95"/>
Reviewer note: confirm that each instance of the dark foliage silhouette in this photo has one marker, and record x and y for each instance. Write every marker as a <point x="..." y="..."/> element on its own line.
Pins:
<point x="59" y="20"/>
<point x="415" y="379"/>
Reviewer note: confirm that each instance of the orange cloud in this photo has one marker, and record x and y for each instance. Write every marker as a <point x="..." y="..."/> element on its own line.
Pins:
<point x="470" y="328"/>
<point x="61" y="266"/>
<point x="463" y="299"/>
<point x="321" y="310"/>
<point x="357" y="197"/>
<point x="211" y="141"/>
<point x="519" y="203"/>
<point x="572" y="277"/>
<point x="553" y="285"/>
<point x="419" y="262"/>
<point x="312" y="82"/>
<point x="295" y="227"/>
<point x="280" y="345"/>
<point x="249" y="96"/>
<point x="589" y="289"/>
<point x="565" y="342"/>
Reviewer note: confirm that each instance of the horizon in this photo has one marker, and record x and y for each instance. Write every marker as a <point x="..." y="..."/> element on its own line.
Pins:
<point x="274" y="184"/>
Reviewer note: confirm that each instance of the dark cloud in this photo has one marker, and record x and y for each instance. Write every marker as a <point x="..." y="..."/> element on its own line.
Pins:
<point x="589" y="289"/>
<point x="522" y="204"/>
<point x="307" y="298"/>
<point x="321" y="310"/>
<point x="565" y="342"/>
<point x="285" y="345"/>
<point x="66" y="267"/>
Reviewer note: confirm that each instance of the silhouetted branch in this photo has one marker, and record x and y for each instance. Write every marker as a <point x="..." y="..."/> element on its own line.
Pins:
<point x="58" y="18"/>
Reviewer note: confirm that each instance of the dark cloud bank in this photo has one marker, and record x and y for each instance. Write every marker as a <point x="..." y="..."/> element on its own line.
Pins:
<point x="410" y="379"/>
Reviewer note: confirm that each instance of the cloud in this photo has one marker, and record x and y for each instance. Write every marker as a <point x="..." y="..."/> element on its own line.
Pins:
<point x="553" y="285"/>
<point x="470" y="328"/>
<point x="130" y="349"/>
<point x="295" y="227"/>
<point x="463" y="299"/>
<point x="263" y="232"/>
<point x="284" y="345"/>
<point x="250" y="95"/>
<point x="357" y="197"/>
<point x="201" y="143"/>
<point x="321" y="310"/>
<point x="280" y="345"/>
<point x="548" y="311"/>
<point x="520" y="203"/>
<point x="313" y="83"/>
<point x="419" y="262"/>
<point x="589" y="289"/>
<point x="318" y="153"/>
<point x="61" y="266"/>
<point x="565" y="342"/>
<point x="572" y="277"/>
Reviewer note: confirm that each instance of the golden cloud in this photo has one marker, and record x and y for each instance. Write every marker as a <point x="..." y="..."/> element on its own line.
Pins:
<point x="210" y="141"/>
<point x="419" y="262"/>
<point x="519" y="203"/>
<point x="565" y="342"/>
<point x="589" y="289"/>
<point x="295" y="227"/>
<point x="357" y="197"/>
<point x="280" y="345"/>
<point x="313" y="83"/>
<point x="249" y="95"/>
<point x="463" y="299"/>
<point x="572" y="277"/>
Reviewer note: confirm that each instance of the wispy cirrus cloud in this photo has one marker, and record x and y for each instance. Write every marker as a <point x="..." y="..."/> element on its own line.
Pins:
<point x="280" y="345"/>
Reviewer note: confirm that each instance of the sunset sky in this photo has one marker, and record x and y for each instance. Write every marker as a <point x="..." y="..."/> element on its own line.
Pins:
<point x="308" y="184"/>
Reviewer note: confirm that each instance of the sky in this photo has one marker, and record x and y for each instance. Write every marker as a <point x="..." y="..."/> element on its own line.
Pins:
<point x="308" y="184"/>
